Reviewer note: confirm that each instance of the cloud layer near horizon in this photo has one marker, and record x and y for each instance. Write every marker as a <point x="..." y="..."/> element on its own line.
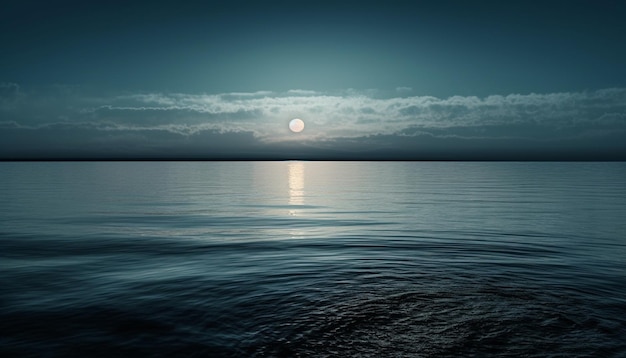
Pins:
<point x="71" y="122"/>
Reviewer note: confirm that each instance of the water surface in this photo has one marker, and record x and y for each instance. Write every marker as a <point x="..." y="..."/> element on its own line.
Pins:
<point x="318" y="259"/>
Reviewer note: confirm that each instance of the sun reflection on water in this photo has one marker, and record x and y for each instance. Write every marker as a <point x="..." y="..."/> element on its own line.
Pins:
<point x="296" y="183"/>
<point x="296" y="191"/>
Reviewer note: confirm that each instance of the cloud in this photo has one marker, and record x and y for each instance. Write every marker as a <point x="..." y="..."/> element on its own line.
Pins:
<point x="403" y="89"/>
<point x="9" y="90"/>
<point x="339" y="122"/>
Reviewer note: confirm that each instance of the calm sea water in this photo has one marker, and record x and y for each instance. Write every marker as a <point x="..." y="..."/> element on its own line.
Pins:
<point x="313" y="259"/>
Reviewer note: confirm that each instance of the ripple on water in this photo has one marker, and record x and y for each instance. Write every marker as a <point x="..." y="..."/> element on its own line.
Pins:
<point x="466" y="321"/>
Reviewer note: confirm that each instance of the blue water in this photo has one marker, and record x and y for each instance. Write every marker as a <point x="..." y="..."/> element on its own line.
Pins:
<point x="313" y="259"/>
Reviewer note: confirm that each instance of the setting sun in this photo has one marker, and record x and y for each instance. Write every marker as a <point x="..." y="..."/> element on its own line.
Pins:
<point x="296" y="125"/>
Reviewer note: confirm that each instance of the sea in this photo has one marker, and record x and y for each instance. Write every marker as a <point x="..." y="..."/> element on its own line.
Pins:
<point x="313" y="259"/>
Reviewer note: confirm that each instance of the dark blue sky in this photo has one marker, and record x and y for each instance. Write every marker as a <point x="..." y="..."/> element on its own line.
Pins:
<point x="425" y="79"/>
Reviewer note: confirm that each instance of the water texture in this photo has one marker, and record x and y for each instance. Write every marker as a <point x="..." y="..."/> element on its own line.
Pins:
<point x="313" y="259"/>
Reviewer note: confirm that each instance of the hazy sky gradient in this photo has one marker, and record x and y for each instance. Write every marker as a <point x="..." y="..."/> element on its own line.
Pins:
<point x="373" y="80"/>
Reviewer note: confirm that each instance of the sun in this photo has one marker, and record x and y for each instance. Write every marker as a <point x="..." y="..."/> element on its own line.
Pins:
<point x="296" y="125"/>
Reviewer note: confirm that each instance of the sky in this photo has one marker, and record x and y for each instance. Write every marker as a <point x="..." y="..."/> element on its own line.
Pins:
<point x="419" y="80"/>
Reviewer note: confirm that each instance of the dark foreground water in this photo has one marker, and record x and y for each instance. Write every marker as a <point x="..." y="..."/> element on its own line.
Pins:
<point x="313" y="259"/>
